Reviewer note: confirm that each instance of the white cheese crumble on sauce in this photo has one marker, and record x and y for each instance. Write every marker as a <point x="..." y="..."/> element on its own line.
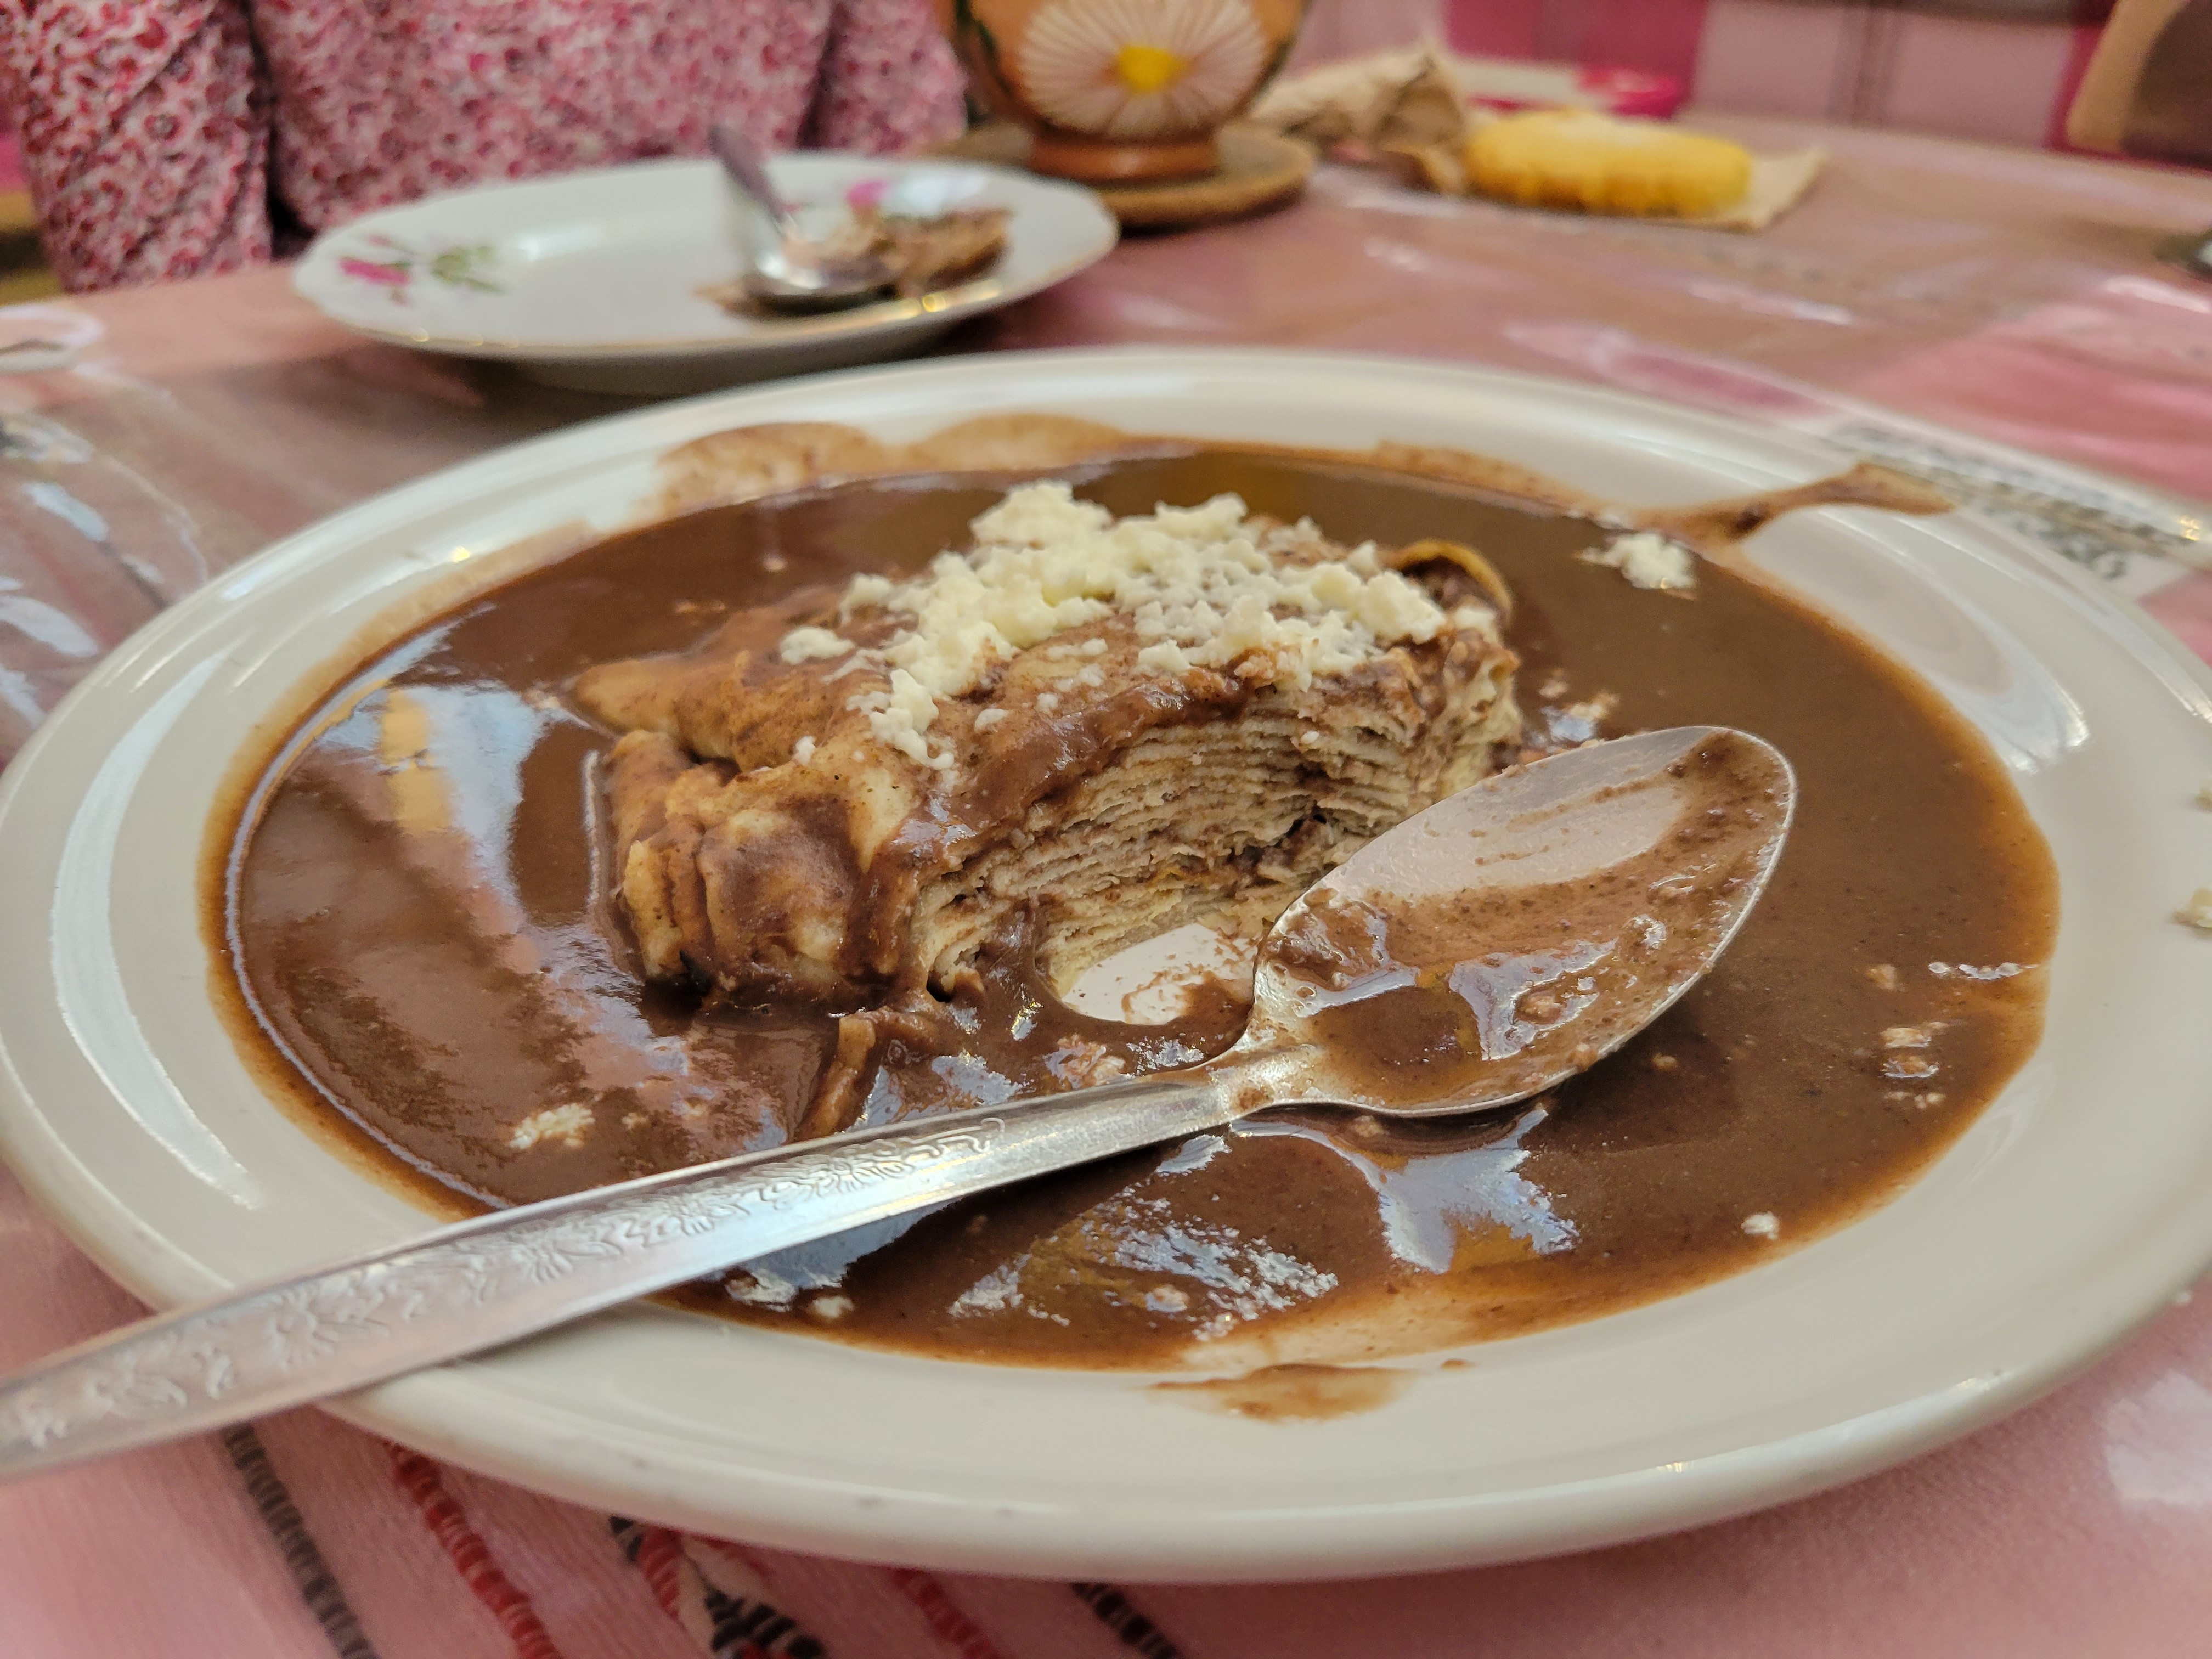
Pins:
<point x="813" y="645"/>
<point x="1200" y="585"/>
<point x="803" y="751"/>
<point x="1592" y="711"/>
<point x="567" y="1124"/>
<point x="1763" y="1225"/>
<point x="1648" y="560"/>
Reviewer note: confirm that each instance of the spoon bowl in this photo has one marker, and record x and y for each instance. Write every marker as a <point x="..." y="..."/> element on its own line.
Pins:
<point x="1476" y="955"/>
<point x="1519" y="931"/>
<point x="798" y="273"/>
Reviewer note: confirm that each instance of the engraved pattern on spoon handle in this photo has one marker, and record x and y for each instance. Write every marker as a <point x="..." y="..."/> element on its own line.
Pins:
<point x="497" y="1277"/>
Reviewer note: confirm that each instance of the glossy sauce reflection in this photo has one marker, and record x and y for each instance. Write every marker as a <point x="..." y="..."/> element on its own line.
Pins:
<point x="417" y="906"/>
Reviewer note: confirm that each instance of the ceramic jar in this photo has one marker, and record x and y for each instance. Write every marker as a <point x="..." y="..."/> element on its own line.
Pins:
<point x="1121" y="90"/>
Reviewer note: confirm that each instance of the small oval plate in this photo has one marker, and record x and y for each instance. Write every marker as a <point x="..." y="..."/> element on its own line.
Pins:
<point x="594" y="279"/>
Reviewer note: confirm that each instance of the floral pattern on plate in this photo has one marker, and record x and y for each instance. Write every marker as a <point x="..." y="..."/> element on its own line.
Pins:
<point x="393" y="266"/>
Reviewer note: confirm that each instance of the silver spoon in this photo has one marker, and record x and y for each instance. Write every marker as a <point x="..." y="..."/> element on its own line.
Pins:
<point x="796" y="274"/>
<point x="1425" y="950"/>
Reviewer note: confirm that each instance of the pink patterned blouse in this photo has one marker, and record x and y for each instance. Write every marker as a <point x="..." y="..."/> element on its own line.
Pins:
<point x="161" y="137"/>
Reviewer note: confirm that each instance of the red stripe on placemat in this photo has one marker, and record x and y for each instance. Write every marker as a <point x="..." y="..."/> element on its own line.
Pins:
<point x="945" y="1620"/>
<point x="471" y="1557"/>
<point x="660" y="1558"/>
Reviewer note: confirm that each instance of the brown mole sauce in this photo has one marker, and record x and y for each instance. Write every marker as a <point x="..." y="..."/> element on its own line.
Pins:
<point x="417" y="904"/>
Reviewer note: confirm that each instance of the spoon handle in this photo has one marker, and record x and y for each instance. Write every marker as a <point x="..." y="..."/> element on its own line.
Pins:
<point x="742" y="161"/>
<point x="489" y="1280"/>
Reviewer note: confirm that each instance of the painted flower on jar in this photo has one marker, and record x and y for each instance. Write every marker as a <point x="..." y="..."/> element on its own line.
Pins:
<point x="1141" y="69"/>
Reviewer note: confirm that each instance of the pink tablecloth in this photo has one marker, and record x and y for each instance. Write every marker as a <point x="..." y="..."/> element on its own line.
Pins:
<point x="2004" y="294"/>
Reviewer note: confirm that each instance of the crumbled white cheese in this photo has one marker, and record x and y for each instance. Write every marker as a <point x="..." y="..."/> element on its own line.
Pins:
<point x="2197" y="913"/>
<point x="1048" y="703"/>
<point x="1200" y="581"/>
<point x="1648" y="560"/>
<point x="1907" y="1036"/>
<point x="1763" y="1225"/>
<point x="803" y="751"/>
<point x="989" y="718"/>
<point x="1038" y="516"/>
<point x="1478" y="620"/>
<point x="1592" y="710"/>
<point x="829" y="1307"/>
<point x="864" y="591"/>
<point x="567" y="1124"/>
<point x="900" y="716"/>
<point x="811" y="645"/>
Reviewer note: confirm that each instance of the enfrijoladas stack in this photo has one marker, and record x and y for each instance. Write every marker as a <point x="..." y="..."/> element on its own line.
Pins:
<point x="1110" y="727"/>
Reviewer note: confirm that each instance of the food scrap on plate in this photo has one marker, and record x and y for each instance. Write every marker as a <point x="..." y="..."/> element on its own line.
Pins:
<point x="1412" y="110"/>
<point x="927" y="251"/>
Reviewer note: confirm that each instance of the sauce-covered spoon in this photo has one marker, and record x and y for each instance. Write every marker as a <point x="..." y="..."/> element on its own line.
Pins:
<point x="796" y="274"/>
<point x="1482" y="952"/>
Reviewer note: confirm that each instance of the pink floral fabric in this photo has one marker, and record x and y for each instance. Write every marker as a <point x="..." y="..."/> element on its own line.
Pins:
<point x="159" y="135"/>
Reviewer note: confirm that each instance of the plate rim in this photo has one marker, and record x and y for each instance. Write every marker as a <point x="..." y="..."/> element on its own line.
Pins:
<point x="888" y="319"/>
<point x="424" y="1411"/>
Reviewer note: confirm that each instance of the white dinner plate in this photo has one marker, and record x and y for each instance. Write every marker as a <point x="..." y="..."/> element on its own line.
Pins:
<point x="2069" y="1211"/>
<point x="592" y="279"/>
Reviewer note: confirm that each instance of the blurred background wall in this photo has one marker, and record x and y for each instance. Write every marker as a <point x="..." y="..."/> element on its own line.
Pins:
<point x="2000" y="70"/>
